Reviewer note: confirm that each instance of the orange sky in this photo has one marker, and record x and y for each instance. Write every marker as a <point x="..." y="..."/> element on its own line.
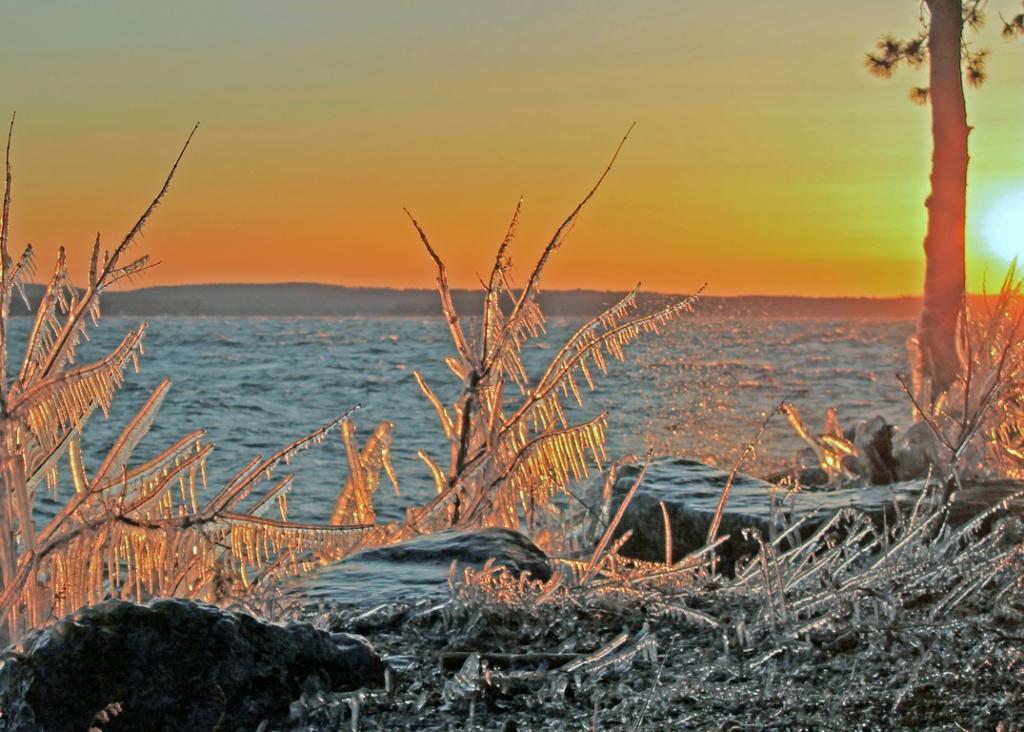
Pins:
<point x="765" y="159"/>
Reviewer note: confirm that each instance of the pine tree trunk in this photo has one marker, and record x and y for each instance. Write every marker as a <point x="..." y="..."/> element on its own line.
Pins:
<point x="947" y="204"/>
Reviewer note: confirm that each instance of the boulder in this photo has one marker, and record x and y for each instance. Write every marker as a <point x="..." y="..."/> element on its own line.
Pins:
<point x="875" y="461"/>
<point x="916" y="451"/>
<point x="979" y="496"/>
<point x="418" y="568"/>
<point x="173" y="665"/>
<point x="814" y="477"/>
<point x="884" y="456"/>
<point x="691" y="490"/>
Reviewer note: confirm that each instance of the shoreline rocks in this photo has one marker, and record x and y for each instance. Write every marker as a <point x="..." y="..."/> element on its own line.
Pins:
<point x="885" y="455"/>
<point x="418" y="568"/>
<point x="181" y="665"/>
<point x="875" y="460"/>
<point x="691" y="490"/>
<point x="174" y="665"/>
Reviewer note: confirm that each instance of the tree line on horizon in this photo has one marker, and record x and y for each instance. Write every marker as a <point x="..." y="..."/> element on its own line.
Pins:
<point x="307" y="299"/>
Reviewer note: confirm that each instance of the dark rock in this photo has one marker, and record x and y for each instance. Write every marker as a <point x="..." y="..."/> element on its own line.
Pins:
<point x="807" y="458"/>
<point x="978" y="497"/>
<point x="916" y="451"/>
<point x="873" y="439"/>
<point x="173" y="665"/>
<point x="691" y="491"/>
<point x="813" y="477"/>
<point x="873" y="462"/>
<point x="887" y="456"/>
<point x="419" y="568"/>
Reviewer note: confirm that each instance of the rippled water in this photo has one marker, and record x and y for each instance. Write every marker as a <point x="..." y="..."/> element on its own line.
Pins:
<point x="699" y="390"/>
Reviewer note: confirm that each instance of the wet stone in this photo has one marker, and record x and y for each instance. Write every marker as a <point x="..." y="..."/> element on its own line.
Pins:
<point x="173" y="665"/>
<point x="916" y="451"/>
<point x="885" y="455"/>
<point x="691" y="491"/>
<point x="873" y="439"/>
<point x="419" y="568"/>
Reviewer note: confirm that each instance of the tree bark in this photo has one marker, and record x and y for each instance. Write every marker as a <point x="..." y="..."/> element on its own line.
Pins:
<point x="944" y="283"/>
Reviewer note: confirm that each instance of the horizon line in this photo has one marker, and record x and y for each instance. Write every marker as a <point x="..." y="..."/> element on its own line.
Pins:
<point x="641" y="291"/>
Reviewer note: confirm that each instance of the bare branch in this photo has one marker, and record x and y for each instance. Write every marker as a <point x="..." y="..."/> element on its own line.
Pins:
<point x="531" y="285"/>
<point x="450" y="314"/>
<point x="5" y="273"/>
<point x="65" y="343"/>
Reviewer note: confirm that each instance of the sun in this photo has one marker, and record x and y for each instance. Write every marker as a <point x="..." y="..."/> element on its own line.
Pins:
<point x="1004" y="226"/>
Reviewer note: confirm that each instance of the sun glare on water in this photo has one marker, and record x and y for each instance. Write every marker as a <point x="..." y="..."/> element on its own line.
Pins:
<point x="1004" y="226"/>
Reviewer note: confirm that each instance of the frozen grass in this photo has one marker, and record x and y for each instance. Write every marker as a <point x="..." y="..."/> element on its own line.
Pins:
<point x="513" y="444"/>
<point x="130" y="529"/>
<point x="857" y="626"/>
<point x="137" y="530"/>
<point x="972" y="431"/>
<point x="979" y="423"/>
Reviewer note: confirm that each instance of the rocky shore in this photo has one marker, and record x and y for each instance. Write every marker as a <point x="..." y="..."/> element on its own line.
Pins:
<point x="870" y="610"/>
<point x="915" y="673"/>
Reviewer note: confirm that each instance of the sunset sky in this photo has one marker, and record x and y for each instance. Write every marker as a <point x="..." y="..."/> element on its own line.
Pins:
<point x="765" y="158"/>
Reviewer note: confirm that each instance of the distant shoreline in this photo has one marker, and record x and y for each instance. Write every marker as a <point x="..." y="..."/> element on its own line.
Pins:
<point x="302" y="299"/>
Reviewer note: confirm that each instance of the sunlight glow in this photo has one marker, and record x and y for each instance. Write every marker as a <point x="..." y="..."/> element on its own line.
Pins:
<point x="1004" y="226"/>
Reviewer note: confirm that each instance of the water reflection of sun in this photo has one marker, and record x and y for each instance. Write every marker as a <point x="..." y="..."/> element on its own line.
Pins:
<point x="1004" y="226"/>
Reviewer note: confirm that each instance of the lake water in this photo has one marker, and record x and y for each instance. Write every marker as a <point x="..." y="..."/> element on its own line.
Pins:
<point x="698" y="390"/>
